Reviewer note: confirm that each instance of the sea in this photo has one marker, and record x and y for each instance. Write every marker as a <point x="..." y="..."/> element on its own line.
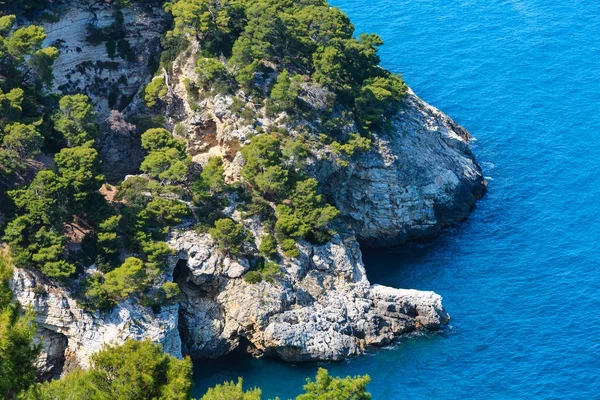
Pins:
<point x="520" y="277"/>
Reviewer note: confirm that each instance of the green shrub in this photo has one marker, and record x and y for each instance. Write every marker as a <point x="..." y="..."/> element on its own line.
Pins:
<point x="253" y="277"/>
<point x="268" y="246"/>
<point x="289" y="248"/>
<point x="135" y="370"/>
<point x="210" y="71"/>
<point x="263" y="168"/>
<point x="308" y="213"/>
<point x="284" y="94"/>
<point x="155" y="91"/>
<point x="345" y="151"/>
<point x="75" y="120"/>
<point x="169" y="292"/>
<point x="270" y="271"/>
<point x="167" y="159"/>
<point x="231" y="237"/>
<point x="379" y="96"/>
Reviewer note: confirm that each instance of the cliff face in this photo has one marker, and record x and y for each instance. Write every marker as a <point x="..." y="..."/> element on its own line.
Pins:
<point x="113" y="80"/>
<point x="321" y="307"/>
<point x="418" y="177"/>
<point x="70" y="335"/>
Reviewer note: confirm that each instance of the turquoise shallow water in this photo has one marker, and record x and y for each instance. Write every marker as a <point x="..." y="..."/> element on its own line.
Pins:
<point x="521" y="277"/>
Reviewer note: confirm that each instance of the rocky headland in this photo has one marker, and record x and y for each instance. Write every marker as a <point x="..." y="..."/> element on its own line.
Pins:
<point x="417" y="178"/>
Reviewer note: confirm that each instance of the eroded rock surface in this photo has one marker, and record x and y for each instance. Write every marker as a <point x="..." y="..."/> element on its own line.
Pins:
<point x="321" y="308"/>
<point x="70" y="334"/>
<point x="420" y="177"/>
<point x="111" y="81"/>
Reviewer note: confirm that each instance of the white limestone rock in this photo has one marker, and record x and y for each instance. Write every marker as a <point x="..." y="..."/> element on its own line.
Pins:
<point x="70" y="334"/>
<point x="321" y="308"/>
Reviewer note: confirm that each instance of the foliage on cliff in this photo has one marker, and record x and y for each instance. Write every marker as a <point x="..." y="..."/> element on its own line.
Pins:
<point x="297" y="40"/>
<point x="17" y="352"/>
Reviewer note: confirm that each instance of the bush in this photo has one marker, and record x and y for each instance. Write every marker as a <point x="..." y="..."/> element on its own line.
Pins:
<point x="289" y="248"/>
<point x="75" y="120"/>
<point x="210" y="181"/>
<point x="263" y="168"/>
<point x="167" y="159"/>
<point x="345" y="151"/>
<point x="284" y="94"/>
<point x="169" y="292"/>
<point x="135" y="370"/>
<point x="155" y="91"/>
<point x="126" y="280"/>
<point x="268" y="246"/>
<point x="232" y="391"/>
<point x="379" y="96"/>
<point x="307" y="214"/>
<point x="210" y="71"/>
<point x="253" y="277"/>
<point x="231" y="237"/>
<point x="270" y="271"/>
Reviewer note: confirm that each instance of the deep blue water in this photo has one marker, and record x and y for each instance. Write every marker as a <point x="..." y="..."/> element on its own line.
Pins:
<point x="521" y="277"/>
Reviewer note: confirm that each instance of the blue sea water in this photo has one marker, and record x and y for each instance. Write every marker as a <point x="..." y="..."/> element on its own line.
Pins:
<point x="521" y="277"/>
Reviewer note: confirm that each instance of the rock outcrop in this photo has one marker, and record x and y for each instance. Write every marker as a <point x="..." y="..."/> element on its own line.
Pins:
<point x="420" y="177"/>
<point x="322" y="307"/>
<point x="84" y="65"/>
<point x="70" y="334"/>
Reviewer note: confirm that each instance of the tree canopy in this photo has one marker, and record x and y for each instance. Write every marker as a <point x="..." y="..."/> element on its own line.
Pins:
<point x="136" y="370"/>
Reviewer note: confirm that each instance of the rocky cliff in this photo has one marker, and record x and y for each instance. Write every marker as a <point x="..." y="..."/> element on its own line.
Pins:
<point x="70" y="334"/>
<point x="417" y="177"/>
<point x="90" y="62"/>
<point x="420" y="178"/>
<point x="320" y="307"/>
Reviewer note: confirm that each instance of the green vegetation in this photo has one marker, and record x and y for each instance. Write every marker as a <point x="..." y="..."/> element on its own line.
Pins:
<point x="75" y="120"/>
<point x="59" y="216"/>
<point x="118" y="284"/>
<point x="140" y="370"/>
<point x="284" y="93"/>
<point x="232" y="238"/>
<point x="326" y="387"/>
<point x="345" y="151"/>
<point x="268" y="246"/>
<point x="244" y="39"/>
<point x="17" y="352"/>
<point x="268" y="271"/>
<point x="166" y="159"/>
<point x="25" y="68"/>
<point x="302" y="212"/>
<point x="155" y="91"/>
<point x="308" y="215"/>
<point x="135" y="370"/>
<point x="230" y="390"/>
